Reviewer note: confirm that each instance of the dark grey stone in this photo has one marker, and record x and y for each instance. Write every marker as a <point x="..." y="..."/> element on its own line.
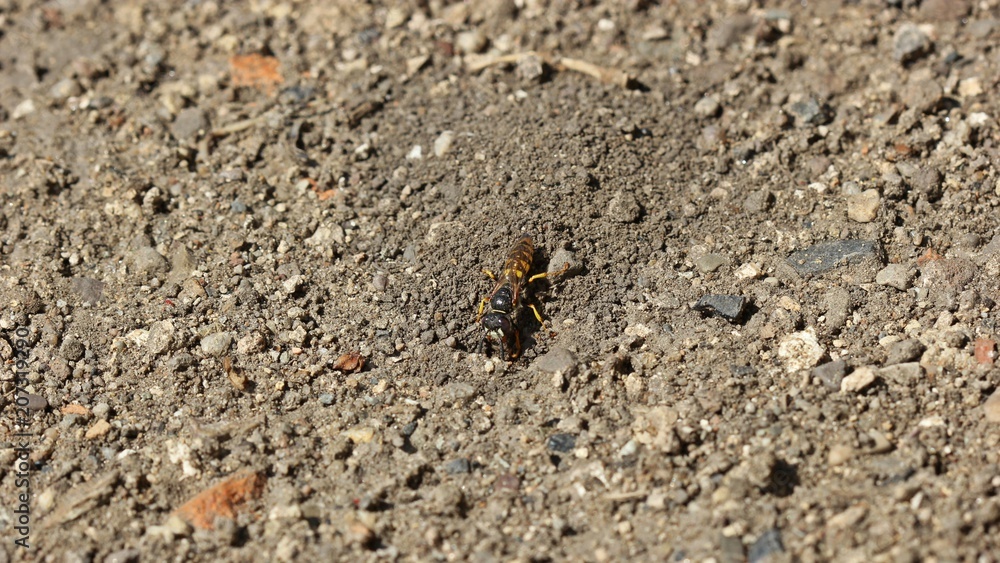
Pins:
<point x="766" y="545"/>
<point x="34" y="403"/>
<point x="904" y="351"/>
<point x="561" y="442"/>
<point x="458" y="466"/>
<point x="810" y="112"/>
<point x="729" y="307"/>
<point x="831" y="374"/>
<point x="826" y="256"/>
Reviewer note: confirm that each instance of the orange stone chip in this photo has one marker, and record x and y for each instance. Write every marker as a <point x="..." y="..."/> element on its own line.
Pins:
<point x="985" y="351"/>
<point x="223" y="500"/>
<point x="929" y="255"/>
<point x="256" y="71"/>
<point x="351" y="362"/>
<point x="74" y="408"/>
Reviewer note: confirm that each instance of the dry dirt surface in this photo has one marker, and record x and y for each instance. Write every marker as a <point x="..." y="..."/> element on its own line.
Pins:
<point x="242" y="250"/>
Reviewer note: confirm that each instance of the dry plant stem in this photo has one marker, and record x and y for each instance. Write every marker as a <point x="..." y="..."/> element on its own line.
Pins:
<point x="604" y="74"/>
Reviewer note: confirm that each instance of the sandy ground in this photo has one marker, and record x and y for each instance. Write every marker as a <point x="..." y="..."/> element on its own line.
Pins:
<point x="776" y="339"/>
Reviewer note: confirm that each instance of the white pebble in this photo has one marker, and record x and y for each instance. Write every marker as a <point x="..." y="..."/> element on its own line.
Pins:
<point x="443" y="143"/>
<point x="800" y="350"/>
<point x="858" y="380"/>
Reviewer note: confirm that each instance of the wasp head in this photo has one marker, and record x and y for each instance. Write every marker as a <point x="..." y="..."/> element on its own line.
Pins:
<point x="498" y="331"/>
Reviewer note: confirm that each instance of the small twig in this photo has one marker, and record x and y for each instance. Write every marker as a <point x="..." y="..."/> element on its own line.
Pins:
<point x="235" y="127"/>
<point x="604" y="74"/>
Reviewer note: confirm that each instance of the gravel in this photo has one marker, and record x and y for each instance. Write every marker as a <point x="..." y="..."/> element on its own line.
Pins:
<point x="206" y="206"/>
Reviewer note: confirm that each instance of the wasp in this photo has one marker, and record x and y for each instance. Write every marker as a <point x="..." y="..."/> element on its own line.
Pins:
<point x="498" y="311"/>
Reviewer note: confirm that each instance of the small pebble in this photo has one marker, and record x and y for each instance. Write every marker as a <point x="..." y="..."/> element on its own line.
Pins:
<point x="922" y="95"/>
<point x="146" y="260"/>
<point x="130" y="555"/>
<point x="908" y="350"/>
<point x="473" y="41"/>
<point x="414" y="64"/>
<point x="216" y="344"/>
<point x="101" y="410"/>
<point x="810" y="112"/>
<point x="839" y="455"/>
<point x="826" y="256"/>
<point x="23" y="109"/>
<point x="768" y="544"/>
<point x="710" y="262"/>
<point x="443" y="143"/>
<point x="906" y="373"/>
<point x="758" y="202"/>
<point x="800" y="350"/>
<point x="396" y="17"/>
<point x="910" y="43"/>
<point x="898" y="276"/>
<point x="748" y="271"/>
<point x="160" y="338"/>
<point x="707" y="107"/>
<point x="558" y="360"/>
<point x="380" y="282"/>
<point x="991" y="408"/>
<point x="831" y="374"/>
<point x="630" y="448"/>
<point x="561" y="258"/>
<point x="858" y="380"/>
<point x="458" y="466"/>
<point x="72" y="349"/>
<point x="864" y="206"/>
<point x="100" y="428"/>
<point x="729" y="307"/>
<point x="35" y="402"/>
<point x="561" y="442"/>
<point x="326" y="399"/>
<point x="970" y="87"/>
<point x="189" y="123"/>
<point x="64" y="89"/>
<point x="624" y="208"/>
<point x="927" y="182"/>
<point x="530" y="69"/>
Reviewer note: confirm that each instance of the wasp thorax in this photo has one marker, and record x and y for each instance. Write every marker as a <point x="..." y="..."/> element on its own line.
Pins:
<point x="502" y="301"/>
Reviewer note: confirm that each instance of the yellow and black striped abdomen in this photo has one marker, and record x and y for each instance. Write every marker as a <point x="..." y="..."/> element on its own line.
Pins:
<point x="518" y="264"/>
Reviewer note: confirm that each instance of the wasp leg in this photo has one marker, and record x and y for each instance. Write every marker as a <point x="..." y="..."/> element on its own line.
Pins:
<point x="482" y="305"/>
<point x="517" y="346"/>
<point x="491" y="275"/>
<point x="547" y="274"/>
<point x="537" y="314"/>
